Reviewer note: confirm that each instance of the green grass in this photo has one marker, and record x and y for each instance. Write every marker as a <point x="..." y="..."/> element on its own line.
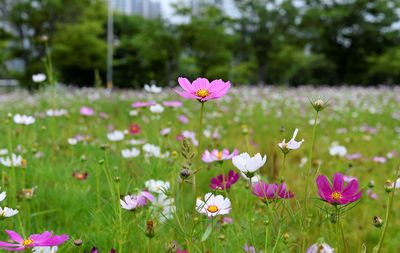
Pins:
<point x="65" y="205"/>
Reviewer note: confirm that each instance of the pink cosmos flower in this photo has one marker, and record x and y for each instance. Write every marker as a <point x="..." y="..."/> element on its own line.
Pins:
<point x="354" y="156"/>
<point x="140" y="104"/>
<point x="372" y="194"/>
<point x="222" y="181"/>
<point x="181" y="251"/>
<point x="183" y="119"/>
<point x="165" y="131"/>
<point x="202" y="90"/>
<point x="269" y="192"/>
<point x="215" y="155"/>
<point x="338" y="194"/>
<point x="172" y="103"/>
<point x="46" y="239"/>
<point x="379" y="159"/>
<point x="86" y="111"/>
<point x="131" y="202"/>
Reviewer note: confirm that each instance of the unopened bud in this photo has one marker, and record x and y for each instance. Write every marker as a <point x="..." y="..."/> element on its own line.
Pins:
<point x="388" y="186"/>
<point x="149" y="228"/>
<point x="318" y="105"/>
<point x="286" y="238"/>
<point x="377" y="221"/>
<point x="371" y="184"/>
<point x="78" y="242"/>
<point x="185" y="173"/>
<point x="103" y="146"/>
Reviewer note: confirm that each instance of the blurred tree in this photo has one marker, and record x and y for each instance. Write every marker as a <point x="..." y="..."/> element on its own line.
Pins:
<point x="79" y="48"/>
<point x="207" y="41"/>
<point x="347" y="32"/>
<point x="385" y="68"/>
<point x="147" y="49"/>
<point x="30" y="20"/>
<point x="264" y="27"/>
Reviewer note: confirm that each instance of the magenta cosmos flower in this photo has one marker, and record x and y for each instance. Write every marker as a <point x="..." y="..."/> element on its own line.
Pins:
<point x="46" y="239"/>
<point x="215" y="155"/>
<point x="270" y="192"/>
<point x="337" y="194"/>
<point x="202" y="90"/>
<point x="222" y="181"/>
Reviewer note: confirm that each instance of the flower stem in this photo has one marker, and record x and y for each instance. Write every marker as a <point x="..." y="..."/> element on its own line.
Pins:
<point x="199" y="134"/>
<point x="308" y="173"/>
<point x="388" y="212"/>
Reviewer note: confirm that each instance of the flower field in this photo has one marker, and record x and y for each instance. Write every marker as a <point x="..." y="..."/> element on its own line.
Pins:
<point x="204" y="167"/>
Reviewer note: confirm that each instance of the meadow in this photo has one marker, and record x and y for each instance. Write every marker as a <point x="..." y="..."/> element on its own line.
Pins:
<point x="85" y="160"/>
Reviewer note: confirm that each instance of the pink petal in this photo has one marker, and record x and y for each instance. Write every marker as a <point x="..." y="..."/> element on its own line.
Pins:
<point x="338" y="182"/>
<point x="324" y="188"/>
<point x="185" y="94"/>
<point x="186" y="85"/>
<point x="14" y="236"/>
<point x="201" y="83"/>
<point x="351" y="188"/>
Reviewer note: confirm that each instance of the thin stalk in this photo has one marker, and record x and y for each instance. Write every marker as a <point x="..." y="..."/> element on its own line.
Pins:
<point x="310" y="163"/>
<point x="199" y="134"/>
<point x="388" y="212"/>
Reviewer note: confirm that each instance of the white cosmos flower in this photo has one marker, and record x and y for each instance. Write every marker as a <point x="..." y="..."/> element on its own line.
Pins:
<point x="152" y="88"/>
<point x="39" y="77"/>
<point x="3" y="151"/>
<point x="56" y="113"/>
<point x="157" y="186"/>
<point x="45" y="249"/>
<point x="165" y="206"/>
<point x="7" y="212"/>
<point x="292" y="144"/>
<point x="116" y="136"/>
<point x="320" y="248"/>
<point x="133" y="113"/>
<point x="153" y="150"/>
<point x="23" y="119"/>
<point x="3" y="196"/>
<point x="129" y="153"/>
<point x="337" y="150"/>
<point x="248" y="165"/>
<point x="157" y="108"/>
<point x="72" y="141"/>
<point x="213" y="205"/>
<point x="254" y="179"/>
<point x="15" y="160"/>
<point x="136" y="142"/>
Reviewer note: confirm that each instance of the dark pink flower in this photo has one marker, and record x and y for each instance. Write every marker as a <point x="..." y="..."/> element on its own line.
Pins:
<point x="337" y="194"/>
<point x="181" y="251"/>
<point x="269" y="192"/>
<point x="222" y="181"/>
<point x="134" y="129"/>
<point x="46" y="239"/>
<point x="202" y="90"/>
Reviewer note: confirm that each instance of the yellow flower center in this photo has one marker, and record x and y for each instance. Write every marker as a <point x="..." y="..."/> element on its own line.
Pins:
<point x="336" y="195"/>
<point x="219" y="155"/>
<point x="212" y="209"/>
<point x="27" y="242"/>
<point x="202" y="93"/>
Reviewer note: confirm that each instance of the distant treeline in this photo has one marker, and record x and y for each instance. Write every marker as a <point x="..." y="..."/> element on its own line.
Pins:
<point x="271" y="41"/>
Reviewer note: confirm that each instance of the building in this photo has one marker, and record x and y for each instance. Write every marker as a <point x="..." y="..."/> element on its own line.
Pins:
<point x="146" y="8"/>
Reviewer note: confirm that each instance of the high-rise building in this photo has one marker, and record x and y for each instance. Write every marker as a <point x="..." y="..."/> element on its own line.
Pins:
<point x="146" y="8"/>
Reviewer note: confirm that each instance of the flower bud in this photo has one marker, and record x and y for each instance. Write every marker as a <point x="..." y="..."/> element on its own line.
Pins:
<point x="319" y="104"/>
<point x="78" y="242"/>
<point x="185" y="173"/>
<point x="388" y="186"/>
<point x="371" y="184"/>
<point x="149" y="228"/>
<point x="101" y="161"/>
<point x="286" y="238"/>
<point x="103" y="146"/>
<point x="377" y="221"/>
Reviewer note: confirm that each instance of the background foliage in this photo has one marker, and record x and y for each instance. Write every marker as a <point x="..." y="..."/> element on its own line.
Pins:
<point x="278" y="42"/>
